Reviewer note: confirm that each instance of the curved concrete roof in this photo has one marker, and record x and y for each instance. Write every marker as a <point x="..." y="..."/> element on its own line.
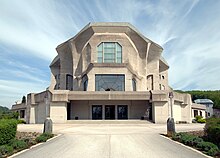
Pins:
<point x="112" y="24"/>
<point x="55" y="60"/>
<point x="205" y="101"/>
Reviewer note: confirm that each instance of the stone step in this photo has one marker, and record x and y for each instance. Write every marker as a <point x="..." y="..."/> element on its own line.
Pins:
<point x="108" y="122"/>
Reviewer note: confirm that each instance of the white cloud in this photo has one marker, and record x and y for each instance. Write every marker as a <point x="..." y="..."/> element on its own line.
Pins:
<point x="12" y="90"/>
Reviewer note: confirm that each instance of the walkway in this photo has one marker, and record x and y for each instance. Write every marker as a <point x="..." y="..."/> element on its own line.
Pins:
<point x="110" y="140"/>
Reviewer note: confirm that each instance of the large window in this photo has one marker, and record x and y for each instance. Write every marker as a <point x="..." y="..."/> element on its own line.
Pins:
<point x="134" y="84"/>
<point x="57" y="78"/>
<point x="85" y="82"/>
<point x="69" y="82"/>
<point x="109" y="52"/>
<point x="97" y="112"/>
<point x="113" y="82"/>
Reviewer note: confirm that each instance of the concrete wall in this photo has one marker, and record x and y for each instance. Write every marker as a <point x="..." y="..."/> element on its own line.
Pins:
<point x="41" y="112"/>
<point x="177" y="115"/>
<point x="143" y="57"/>
<point x="138" y="109"/>
<point x="83" y="109"/>
<point x="160" y="110"/>
<point x="58" y="112"/>
<point x="33" y="114"/>
<point x="80" y="109"/>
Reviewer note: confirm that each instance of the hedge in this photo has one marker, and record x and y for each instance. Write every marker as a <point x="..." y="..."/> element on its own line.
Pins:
<point x="212" y="130"/>
<point x="8" y="128"/>
<point x="196" y="142"/>
<point x="43" y="137"/>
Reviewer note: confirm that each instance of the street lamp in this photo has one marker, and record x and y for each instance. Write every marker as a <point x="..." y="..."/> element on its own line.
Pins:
<point x="170" y="120"/>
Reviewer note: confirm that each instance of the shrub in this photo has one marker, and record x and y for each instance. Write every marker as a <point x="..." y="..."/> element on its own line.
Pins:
<point x="5" y="150"/>
<point x="208" y="147"/>
<point x="8" y="128"/>
<point x="9" y="115"/>
<point x="187" y="139"/>
<point x="18" y="144"/>
<point x="48" y="135"/>
<point x="212" y="130"/>
<point x="201" y="120"/>
<point x="198" y="118"/>
<point x="43" y="137"/>
<point x="21" y="122"/>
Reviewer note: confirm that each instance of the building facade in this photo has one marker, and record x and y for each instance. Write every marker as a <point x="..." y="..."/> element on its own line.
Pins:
<point x="198" y="110"/>
<point x="209" y="106"/>
<point x="108" y="71"/>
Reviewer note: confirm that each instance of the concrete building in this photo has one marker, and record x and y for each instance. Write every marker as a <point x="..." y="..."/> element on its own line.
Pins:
<point x="209" y="105"/>
<point x="198" y="110"/>
<point x="108" y="71"/>
<point x="21" y="109"/>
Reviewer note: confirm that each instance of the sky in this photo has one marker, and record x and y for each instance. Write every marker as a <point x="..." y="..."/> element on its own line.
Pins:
<point x="30" y="30"/>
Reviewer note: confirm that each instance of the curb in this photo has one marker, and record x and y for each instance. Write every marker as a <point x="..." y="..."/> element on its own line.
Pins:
<point x="187" y="147"/>
<point x="34" y="146"/>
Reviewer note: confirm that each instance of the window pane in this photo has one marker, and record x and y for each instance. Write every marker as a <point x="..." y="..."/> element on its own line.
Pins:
<point x="111" y="51"/>
<point x="109" y="82"/>
<point x="100" y="47"/>
<point x="134" y="84"/>
<point x="119" y="48"/>
<point x="69" y="82"/>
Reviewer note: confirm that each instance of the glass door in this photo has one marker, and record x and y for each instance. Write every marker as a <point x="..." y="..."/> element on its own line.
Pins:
<point x="122" y="112"/>
<point x="97" y="112"/>
<point x="109" y="112"/>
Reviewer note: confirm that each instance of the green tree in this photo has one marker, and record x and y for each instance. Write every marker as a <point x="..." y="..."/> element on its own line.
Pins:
<point x="198" y="94"/>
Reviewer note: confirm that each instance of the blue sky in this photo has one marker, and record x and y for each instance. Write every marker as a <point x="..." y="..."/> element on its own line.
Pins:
<point x="30" y="30"/>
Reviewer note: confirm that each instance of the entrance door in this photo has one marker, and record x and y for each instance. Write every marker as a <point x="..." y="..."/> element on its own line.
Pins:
<point x="109" y="112"/>
<point x="122" y="112"/>
<point x="97" y="112"/>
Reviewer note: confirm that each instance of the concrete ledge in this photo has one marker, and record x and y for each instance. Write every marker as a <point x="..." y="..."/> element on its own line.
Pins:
<point x="136" y="122"/>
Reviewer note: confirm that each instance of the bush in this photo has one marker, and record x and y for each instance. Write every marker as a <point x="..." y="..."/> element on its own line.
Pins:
<point x="201" y="120"/>
<point x="9" y="115"/>
<point x="8" y="128"/>
<point x="21" y="122"/>
<point x="212" y="130"/>
<point x="48" y="135"/>
<point x="43" y="137"/>
<point x="187" y="139"/>
<point x="194" y="141"/>
<point x="208" y="147"/>
<point x="18" y="144"/>
<point x="198" y="118"/>
<point x="5" y="150"/>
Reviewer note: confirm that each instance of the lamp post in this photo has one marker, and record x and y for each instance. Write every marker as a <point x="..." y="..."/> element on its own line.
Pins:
<point x="170" y="120"/>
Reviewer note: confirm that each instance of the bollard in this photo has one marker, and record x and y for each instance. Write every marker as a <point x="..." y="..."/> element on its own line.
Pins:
<point x="48" y="126"/>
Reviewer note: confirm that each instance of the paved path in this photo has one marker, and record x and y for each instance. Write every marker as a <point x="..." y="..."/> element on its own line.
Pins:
<point x="124" y="140"/>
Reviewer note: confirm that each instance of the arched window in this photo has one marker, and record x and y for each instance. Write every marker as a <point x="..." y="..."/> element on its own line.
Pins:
<point x="69" y="82"/>
<point x="109" y="52"/>
<point x="134" y="84"/>
<point x="85" y="82"/>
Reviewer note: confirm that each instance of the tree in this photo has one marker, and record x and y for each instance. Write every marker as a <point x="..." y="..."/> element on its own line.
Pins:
<point x="4" y="110"/>
<point x="23" y="99"/>
<point x="198" y="94"/>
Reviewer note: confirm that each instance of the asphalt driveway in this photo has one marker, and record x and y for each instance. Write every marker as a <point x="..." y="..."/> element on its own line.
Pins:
<point x="110" y="140"/>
